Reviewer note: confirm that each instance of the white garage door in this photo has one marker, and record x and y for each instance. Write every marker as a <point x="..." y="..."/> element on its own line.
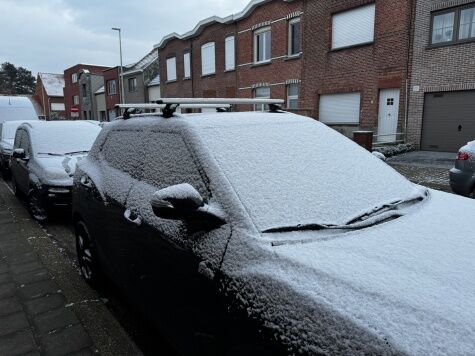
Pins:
<point x="340" y="108"/>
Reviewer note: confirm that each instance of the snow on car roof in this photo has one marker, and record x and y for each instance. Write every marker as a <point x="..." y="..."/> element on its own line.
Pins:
<point x="60" y="137"/>
<point x="53" y="83"/>
<point x="16" y="108"/>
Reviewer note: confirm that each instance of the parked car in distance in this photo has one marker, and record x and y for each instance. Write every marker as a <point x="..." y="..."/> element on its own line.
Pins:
<point x="14" y="108"/>
<point x="44" y="159"/>
<point x="7" y="136"/>
<point x="462" y="176"/>
<point x="254" y="233"/>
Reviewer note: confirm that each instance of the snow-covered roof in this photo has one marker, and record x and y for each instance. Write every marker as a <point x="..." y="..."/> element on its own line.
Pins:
<point x="17" y="108"/>
<point x="155" y="81"/>
<point x="101" y="90"/>
<point x="214" y="19"/>
<point x="53" y="83"/>
<point x="143" y="63"/>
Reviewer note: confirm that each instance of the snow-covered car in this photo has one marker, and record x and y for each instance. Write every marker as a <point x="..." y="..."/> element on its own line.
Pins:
<point x="44" y="159"/>
<point x="240" y="233"/>
<point x="462" y="176"/>
<point x="7" y="136"/>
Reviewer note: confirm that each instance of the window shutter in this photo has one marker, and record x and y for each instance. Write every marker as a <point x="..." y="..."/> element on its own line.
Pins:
<point x="171" y="69"/>
<point x="340" y="108"/>
<point x="353" y="27"/>
<point x="208" y="59"/>
<point x="229" y="53"/>
<point x="186" y="64"/>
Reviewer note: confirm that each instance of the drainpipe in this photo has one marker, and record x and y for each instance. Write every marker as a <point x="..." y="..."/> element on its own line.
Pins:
<point x="406" y="109"/>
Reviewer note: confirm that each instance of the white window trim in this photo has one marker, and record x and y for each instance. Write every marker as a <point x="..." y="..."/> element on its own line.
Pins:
<point x="205" y="46"/>
<point x="74" y="78"/>
<point x="233" y="67"/>
<point x="290" y="41"/>
<point x="169" y="68"/>
<point x="292" y="97"/>
<point x="187" y="66"/>
<point x="256" y="34"/>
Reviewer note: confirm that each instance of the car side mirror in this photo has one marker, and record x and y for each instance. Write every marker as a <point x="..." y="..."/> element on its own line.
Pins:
<point x="19" y="153"/>
<point x="184" y="202"/>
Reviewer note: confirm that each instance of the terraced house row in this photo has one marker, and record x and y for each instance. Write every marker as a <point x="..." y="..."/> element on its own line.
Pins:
<point x="404" y="69"/>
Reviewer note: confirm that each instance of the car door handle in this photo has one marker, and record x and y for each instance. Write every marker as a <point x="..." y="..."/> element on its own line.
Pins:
<point x="86" y="181"/>
<point x="132" y="217"/>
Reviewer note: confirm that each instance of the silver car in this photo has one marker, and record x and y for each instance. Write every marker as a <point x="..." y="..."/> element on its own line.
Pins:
<point x="462" y="176"/>
<point x="44" y="160"/>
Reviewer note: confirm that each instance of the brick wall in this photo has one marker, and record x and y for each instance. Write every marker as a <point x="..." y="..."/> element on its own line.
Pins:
<point x="71" y="89"/>
<point x="111" y="100"/>
<point x="366" y="68"/>
<point x="435" y="69"/>
<point x="181" y="87"/>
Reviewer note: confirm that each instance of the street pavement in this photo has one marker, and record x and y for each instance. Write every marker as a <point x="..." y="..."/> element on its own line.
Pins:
<point x="45" y="306"/>
<point x="430" y="169"/>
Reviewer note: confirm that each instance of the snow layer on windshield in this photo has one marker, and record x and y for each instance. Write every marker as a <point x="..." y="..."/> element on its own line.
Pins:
<point x="60" y="137"/>
<point x="9" y="129"/>
<point x="288" y="170"/>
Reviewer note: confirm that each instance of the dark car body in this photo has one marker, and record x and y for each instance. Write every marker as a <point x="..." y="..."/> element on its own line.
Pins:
<point x="296" y="258"/>
<point x="462" y="176"/>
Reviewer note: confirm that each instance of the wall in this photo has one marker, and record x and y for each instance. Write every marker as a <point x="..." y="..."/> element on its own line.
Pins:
<point x="436" y="69"/>
<point x="111" y="100"/>
<point x="137" y="96"/>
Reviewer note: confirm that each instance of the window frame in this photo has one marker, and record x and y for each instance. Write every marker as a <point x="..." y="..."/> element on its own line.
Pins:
<point x="76" y="96"/>
<point x="256" y="35"/>
<point x="293" y="97"/>
<point x="74" y="78"/>
<point x="261" y="107"/>
<point x="359" y="44"/>
<point x="290" y="37"/>
<point x="185" y="67"/>
<point x="204" y="46"/>
<point x="134" y="87"/>
<point x="233" y="67"/>
<point x="456" y="30"/>
<point x="109" y="82"/>
<point x="168" y="60"/>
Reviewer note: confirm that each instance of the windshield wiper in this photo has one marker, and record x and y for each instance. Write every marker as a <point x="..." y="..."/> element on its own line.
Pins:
<point x="50" y="154"/>
<point x="374" y="216"/>
<point x="76" y="153"/>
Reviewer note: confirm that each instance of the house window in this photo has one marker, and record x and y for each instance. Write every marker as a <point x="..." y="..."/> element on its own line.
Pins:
<point x="467" y="24"/>
<point x="230" y="58"/>
<point x="293" y="96"/>
<point x="74" y="77"/>
<point x="84" y="90"/>
<point x="390" y="102"/>
<point x="171" y="69"/>
<point x="76" y="99"/>
<point x="294" y="37"/>
<point x="261" y="93"/>
<point x="353" y="27"/>
<point x="132" y="84"/>
<point x="208" y="63"/>
<point x="186" y="65"/>
<point x="262" y="45"/>
<point x="443" y="28"/>
<point x="339" y="109"/>
<point x="453" y="26"/>
<point x="111" y="87"/>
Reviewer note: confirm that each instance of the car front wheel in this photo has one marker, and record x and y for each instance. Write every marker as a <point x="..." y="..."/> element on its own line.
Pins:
<point x="86" y="255"/>
<point x="36" y="205"/>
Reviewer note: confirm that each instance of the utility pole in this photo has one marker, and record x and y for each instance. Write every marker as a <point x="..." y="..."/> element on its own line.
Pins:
<point x="121" y="77"/>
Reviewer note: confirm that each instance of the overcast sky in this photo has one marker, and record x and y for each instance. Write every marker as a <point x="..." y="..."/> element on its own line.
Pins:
<point x="51" y="35"/>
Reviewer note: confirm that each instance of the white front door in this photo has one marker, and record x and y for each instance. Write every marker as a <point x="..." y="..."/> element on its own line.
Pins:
<point x="388" y="114"/>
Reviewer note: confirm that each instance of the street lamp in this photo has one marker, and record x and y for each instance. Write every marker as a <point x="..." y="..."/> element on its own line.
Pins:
<point x="122" y="97"/>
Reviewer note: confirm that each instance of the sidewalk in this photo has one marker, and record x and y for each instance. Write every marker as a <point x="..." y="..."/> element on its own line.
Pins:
<point x="45" y="307"/>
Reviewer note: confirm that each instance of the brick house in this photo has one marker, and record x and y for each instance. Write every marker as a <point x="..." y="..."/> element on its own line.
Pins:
<point x="71" y="88"/>
<point x="442" y="96"/>
<point x="89" y="84"/>
<point x="49" y="95"/>
<point x="111" y="92"/>
<point x="355" y="67"/>
<point x="255" y="53"/>
<point x="138" y="76"/>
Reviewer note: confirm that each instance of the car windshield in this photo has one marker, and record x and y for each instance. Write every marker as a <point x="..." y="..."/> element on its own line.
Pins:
<point x="301" y="172"/>
<point x="64" y="138"/>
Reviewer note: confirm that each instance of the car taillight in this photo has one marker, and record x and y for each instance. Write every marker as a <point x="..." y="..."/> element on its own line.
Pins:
<point x="463" y="156"/>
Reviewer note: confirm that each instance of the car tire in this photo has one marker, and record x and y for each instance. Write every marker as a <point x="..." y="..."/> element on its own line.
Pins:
<point x="36" y="206"/>
<point x="86" y="255"/>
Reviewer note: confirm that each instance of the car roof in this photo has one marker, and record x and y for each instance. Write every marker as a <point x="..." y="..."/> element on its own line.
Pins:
<point x="66" y="124"/>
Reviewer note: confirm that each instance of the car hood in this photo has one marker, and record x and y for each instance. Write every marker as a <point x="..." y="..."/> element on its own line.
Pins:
<point x="7" y="143"/>
<point x="410" y="281"/>
<point x="57" y="170"/>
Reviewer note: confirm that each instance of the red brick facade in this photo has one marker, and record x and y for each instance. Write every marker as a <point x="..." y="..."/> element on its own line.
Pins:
<point x="71" y="89"/>
<point x="112" y="99"/>
<point x="181" y="87"/>
<point x="367" y="68"/>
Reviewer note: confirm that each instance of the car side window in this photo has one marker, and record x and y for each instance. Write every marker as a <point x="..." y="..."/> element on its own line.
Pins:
<point x="169" y="162"/>
<point x="123" y="150"/>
